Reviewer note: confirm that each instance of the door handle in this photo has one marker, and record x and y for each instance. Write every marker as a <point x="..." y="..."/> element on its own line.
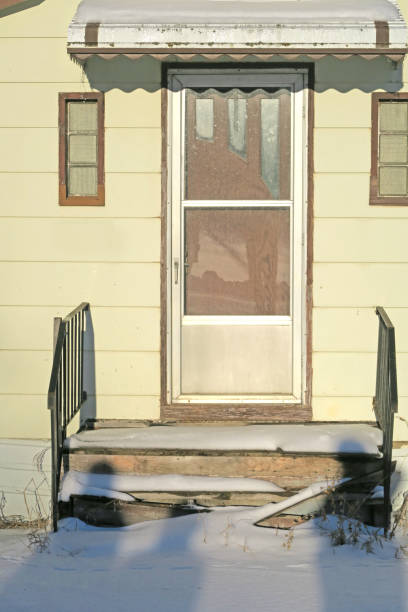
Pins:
<point x="176" y="264"/>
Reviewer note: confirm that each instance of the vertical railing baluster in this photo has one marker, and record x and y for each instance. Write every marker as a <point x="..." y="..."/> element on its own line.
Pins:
<point x="67" y="354"/>
<point x="65" y="372"/>
<point x="71" y="368"/>
<point x="77" y="362"/>
<point x="81" y="387"/>
<point x="74" y="360"/>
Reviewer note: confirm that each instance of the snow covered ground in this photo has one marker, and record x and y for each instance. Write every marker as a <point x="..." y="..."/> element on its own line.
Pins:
<point x="200" y="563"/>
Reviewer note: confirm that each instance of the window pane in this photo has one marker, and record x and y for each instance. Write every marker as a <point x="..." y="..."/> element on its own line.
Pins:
<point x="393" y="148"/>
<point x="237" y="122"/>
<point x="239" y="146"/>
<point x="393" y="181"/>
<point x="82" y="116"/>
<point x="237" y="261"/>
<point x="393" y="116"/>
<point x="204" y="118"/>
<point x="270" y="145"/>
<point x="82" y="149"/>
<point x="82" y="181"/>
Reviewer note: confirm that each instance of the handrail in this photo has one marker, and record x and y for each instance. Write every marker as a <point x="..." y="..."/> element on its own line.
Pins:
<point x="66" y="389"/>
<point x="385" y="402"/>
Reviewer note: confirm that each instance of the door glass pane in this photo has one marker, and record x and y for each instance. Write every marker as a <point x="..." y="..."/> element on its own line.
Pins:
<point x="237" y="261"/>
<point x="238" y="144"/>
<point x="204" y="119"/>
<point x="237" y="122"/>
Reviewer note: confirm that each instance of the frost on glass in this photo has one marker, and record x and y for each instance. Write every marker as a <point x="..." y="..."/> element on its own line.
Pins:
<point x="82" y="116"/>
<point x="393" y="148"/>
<point x="82" y="181"/>
<point x="237" y="124"/>
<point x="237" y="144"/>
<point x="394" y="116"/>
<point x="82" y="148"/>
<point x="270" y="145"/>
<point x="204" y="118"/>
<point x="393" y="181"/>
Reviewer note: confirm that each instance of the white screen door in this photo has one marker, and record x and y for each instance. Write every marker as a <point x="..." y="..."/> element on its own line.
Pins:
<point x="236" y="225"/>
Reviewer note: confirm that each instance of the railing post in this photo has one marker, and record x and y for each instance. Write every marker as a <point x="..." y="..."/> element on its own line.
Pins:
<point x="54" y="439"/>
<point x="386" y="400"/>
<point x="54" y="466"/>
<point x="57" y="323"/>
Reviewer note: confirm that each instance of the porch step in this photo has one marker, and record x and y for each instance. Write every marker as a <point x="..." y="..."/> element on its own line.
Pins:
<point x="291" y="456"/>
<point x="288" y="471"/>
<point x="103" y="511"/>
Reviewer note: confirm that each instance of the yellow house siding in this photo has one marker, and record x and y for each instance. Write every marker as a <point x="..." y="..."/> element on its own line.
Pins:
<point x="133" y="149"/>
<point x="28" y="150"/>
<point x="340" y="195"/>
<point x="28" y="328"/>
<point x="102" y="284"/>
<point x="99" y="240"/>
<point x="354" y="329"/>
<point x="352" y="110"/>
<point x="342" y="149"/>
<point x="128" y="195"/>
<point x="52" y="257"/>
<point x="37" y="60"/>
<point x="361" y="240"/>
<point x="139" y="108"/>
<point x="360" y="254"/>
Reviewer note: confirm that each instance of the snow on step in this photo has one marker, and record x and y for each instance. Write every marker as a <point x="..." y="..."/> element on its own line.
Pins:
<point x="354" y="438"/>
<point x="116" y="486"/>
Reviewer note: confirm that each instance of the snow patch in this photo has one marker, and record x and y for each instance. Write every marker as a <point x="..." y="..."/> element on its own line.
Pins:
<point x="126" y="12"/>
<point x="115" y="486"/>
<point x="399" y="478"/>
<point x="288" y="438"/>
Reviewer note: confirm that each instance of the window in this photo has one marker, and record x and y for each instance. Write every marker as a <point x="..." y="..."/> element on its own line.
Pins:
<point x="389" y="159"/>
<point x="81" y="149"/>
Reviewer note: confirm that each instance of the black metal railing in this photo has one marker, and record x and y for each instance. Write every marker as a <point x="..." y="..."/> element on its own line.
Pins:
<point x="385" y="402"/>
<point x="66" y="390"/>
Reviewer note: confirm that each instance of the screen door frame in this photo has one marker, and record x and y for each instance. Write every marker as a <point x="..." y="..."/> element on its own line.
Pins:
<point x="296" y="80"/>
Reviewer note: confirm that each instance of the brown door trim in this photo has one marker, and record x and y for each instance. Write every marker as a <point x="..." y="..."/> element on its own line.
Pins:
<point x="233" y="412"/>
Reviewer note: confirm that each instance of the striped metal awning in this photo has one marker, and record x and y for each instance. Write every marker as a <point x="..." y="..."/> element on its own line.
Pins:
<point x="238" y="29"/>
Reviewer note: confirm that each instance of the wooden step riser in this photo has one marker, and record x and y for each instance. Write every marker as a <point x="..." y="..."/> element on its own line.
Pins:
<point x="211" y="500"/>
<point x="116" y="513"/>
<point x="286" y="471"/>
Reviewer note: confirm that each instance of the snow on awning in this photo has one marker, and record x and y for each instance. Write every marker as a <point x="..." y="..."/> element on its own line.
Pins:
<point x="237" y="28"/>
